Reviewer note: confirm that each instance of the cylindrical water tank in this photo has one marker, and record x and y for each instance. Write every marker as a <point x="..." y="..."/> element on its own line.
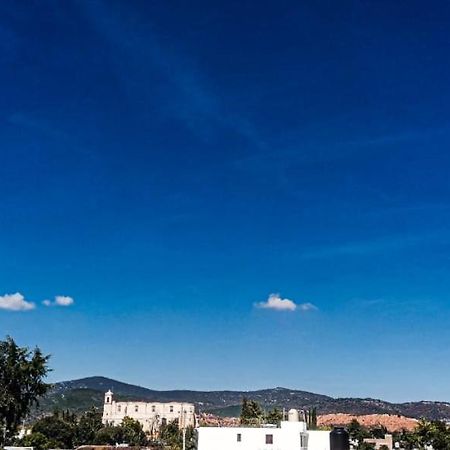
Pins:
<point x="293" y="415"/>
<point x="339" y="439"/>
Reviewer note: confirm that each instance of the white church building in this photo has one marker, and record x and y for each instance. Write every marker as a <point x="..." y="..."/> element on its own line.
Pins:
<point x="151" y="415"/>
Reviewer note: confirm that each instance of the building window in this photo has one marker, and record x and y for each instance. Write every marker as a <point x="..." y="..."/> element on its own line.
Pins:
<point x="239" y="437"/>
<point x="153" y="408"/>
<point x="303" y="441"/>
<point x="269" y="438"/>
<point x="119" y="408"/>
<point x="171" y="408"/>
<point x="136" y="408"/>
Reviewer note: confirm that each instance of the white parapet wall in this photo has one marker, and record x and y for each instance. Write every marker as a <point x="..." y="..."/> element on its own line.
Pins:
<point x="289" y="436"/>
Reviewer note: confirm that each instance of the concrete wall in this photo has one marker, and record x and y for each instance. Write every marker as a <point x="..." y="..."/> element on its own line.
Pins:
<point x="289" y="436"/>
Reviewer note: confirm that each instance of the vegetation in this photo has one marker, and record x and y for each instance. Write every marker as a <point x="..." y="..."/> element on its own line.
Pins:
<point x="81" y="395"/>
<point x="251" y="413"/>
<point x="66" y="430"/>
<point x="172" y="437"/>
<point x="63" y="430"/>
<point x="434" y="433"/>
<point x="311" y="418"/>
<point x="427" y="433"/>
<point x="22" y="374"/>
<point x="357" y="432"/>
<point x="274" y="416"/>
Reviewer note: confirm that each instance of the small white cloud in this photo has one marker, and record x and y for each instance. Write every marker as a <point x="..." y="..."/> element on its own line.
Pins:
<point x="307" y="307"/>
<point x="63" y="300"/>
<point x="15" y="302"/>
<point x="60" y="300"/>
<point x="276" y="302"/>
<point x="284" y="304"/>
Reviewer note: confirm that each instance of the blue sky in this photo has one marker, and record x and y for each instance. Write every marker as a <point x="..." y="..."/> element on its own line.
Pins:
<point x="167" y="166"/>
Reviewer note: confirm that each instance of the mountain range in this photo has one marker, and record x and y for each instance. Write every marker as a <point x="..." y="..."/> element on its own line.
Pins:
<point x="79" y="395"/>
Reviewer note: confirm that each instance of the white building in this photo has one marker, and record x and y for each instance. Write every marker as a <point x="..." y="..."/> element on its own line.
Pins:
<point x="290" y="435"/>
<point x="151" y="415"/>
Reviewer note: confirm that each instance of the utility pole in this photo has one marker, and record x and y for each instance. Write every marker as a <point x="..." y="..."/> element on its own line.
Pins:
<point x="183" y="417"/>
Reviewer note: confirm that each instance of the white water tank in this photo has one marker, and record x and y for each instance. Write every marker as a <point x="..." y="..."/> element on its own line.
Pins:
<point x="293" y="415"/>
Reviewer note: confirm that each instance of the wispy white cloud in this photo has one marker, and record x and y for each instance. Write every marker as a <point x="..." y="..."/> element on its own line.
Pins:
<point x="374" y="246"/>
<point x="60" y="300"/>
<point x="307" y="307"/>
<point x="195" y="102"/>
<point x="277" y="303"/>
<point x="15" y="302"/>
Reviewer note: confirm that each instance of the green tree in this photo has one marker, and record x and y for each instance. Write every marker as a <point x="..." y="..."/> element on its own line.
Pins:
<point x="87" y="427"/>
<point x="22" y="375"/>
<point x="405" y="438"/>
<point x="36" y="440"/>
<point x="171" y="436"/>
<point x="133" y="434"/>
<point x="191" y="438"/>
<point x="55" y="428"/>
<point x="273" y="416"/>
<point x="366" y="446"/>
<point x="378" y="432"/>
<point x="251" y="413"/>
<point x="433" y="433"/>
<point x="311" y="418"/>
<point x="109" y="435"/>
<point x="357" y="431"/>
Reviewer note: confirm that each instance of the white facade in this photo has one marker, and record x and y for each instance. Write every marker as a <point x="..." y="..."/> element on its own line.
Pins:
<point x="151" y="415"/>
<point x="291" y="435"/>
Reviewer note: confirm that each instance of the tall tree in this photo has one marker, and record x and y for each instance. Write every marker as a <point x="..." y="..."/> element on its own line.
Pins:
<point x="22" y="375"/>
<point x="251" y="413"/>
<point x="109" y="435"/>
<point x="172" y="437"/>
<point x="57" y="429"/>
<point x="357" y="431"/>
<point x="133" y="432"/>
<point x="36" y="440"/>
<point x="274" y="416"/>
<point x="311" y="418"/>
<point x="434" y="433"/>
<point x="88" y="426"/>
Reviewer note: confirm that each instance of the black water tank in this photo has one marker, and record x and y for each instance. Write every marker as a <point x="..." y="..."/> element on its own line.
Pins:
<point x="339" y="439"/>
